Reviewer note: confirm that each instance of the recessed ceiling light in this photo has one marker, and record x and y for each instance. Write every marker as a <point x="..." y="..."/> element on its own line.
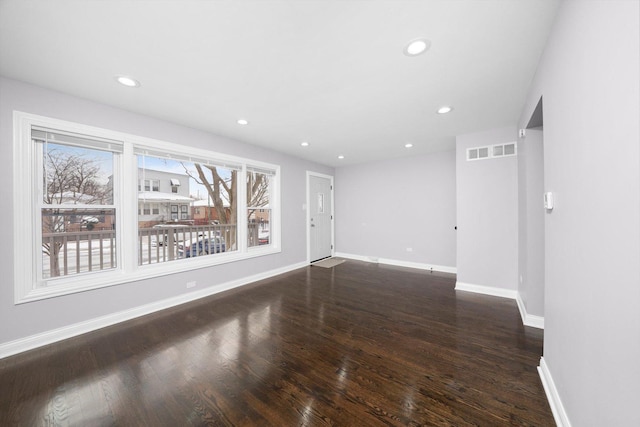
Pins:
<point x="128" y="81"/>
<point x="444" y="110"/>
<point x="243" y="122"/>
<point x="408" y="145"/>
<point x="304" y="143"/>
<point x="341" y="157"/>
<point x="417" y="46"/>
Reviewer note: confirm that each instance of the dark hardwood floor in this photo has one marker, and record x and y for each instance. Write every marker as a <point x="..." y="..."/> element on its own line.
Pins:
<point x="355" y="345"/>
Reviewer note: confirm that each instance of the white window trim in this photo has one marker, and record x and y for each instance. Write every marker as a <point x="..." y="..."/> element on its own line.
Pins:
<point x="127" y="270"/>
<point x="273" y="199"/>
<point x="151" y="181"/>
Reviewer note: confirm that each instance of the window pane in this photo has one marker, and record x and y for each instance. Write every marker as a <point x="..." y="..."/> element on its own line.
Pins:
<point x="259" y="227"/>
<point x="75" y="175"/>
<point x="258" y="212"/>
<point x="77" y="241"/>
<point x="171" y="228"/>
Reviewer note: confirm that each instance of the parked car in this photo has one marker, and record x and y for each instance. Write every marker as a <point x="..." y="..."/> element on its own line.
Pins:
<point x="90" y="222"/>
<point x="263" y="237"/>
<point x="205" y="246"/>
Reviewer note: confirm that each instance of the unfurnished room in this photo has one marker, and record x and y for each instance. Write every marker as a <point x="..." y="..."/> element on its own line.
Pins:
<point x="320" y="213"/>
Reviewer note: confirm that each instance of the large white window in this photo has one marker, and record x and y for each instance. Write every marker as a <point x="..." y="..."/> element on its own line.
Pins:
<point x="95" y="208"/>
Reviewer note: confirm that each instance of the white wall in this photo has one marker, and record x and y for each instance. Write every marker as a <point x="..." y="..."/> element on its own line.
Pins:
<point x="589" y="76"/>
<point x="487" y="211"/>
<point x="19" y="321"/>
<point x="385" y="207"/>
<point x="531" y="214"/>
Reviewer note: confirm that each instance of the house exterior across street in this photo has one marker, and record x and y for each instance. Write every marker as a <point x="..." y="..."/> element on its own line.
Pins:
<point x="162" y="197"/>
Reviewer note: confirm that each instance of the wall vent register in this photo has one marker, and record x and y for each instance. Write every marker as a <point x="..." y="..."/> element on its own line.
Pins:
<point x="491" y="151"/>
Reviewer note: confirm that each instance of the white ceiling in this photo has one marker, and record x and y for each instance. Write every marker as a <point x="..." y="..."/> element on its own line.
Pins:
<point x="329" y="72"/>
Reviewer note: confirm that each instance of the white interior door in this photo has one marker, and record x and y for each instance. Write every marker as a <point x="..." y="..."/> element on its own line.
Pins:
<point x="320" y="217"/>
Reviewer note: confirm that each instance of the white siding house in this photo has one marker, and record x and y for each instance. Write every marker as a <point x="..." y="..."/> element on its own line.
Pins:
<point x="162" y="197"/>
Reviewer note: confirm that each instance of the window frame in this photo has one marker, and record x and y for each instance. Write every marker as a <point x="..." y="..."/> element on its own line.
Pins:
<point x="253" y="168"/>
<point x="151" y="187"/>
<point x="126" y="202"/>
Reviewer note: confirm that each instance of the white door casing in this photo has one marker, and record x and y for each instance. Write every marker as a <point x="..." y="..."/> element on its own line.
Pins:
<point x="319" y="216"/>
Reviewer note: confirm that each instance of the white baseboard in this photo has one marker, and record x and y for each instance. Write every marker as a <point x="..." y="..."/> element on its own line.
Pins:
<point x="486" y="290"/>
<point x="356" y="257"/>
<point x="559" y="414"/>
<point x="529" y="319"/>
<point x="28" y="343"/>
<point x="399" y="263"/>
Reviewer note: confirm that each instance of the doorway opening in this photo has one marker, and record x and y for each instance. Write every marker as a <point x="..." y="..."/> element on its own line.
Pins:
<point x="531" y="212"/>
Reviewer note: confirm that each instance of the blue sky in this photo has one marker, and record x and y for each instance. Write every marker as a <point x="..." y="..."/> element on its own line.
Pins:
<point x="105" y="160"/>
<point x="168" y="165"/>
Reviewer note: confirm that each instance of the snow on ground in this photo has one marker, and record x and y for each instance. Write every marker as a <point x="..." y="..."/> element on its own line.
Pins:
<point x="150" y="251"/>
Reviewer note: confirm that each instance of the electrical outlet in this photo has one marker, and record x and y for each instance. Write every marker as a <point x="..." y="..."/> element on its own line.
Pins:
<point x="409" y="249"/>
<point x="191" y="285"/>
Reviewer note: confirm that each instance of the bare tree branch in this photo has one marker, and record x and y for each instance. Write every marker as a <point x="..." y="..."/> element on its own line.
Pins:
<point x="70" y="179"/>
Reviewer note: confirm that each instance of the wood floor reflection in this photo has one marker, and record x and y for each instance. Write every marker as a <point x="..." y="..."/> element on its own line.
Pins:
<point x="358" y="344"/>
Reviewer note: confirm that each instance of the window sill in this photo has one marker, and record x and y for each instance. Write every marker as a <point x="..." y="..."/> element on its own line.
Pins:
<point x="92" y="281"/>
